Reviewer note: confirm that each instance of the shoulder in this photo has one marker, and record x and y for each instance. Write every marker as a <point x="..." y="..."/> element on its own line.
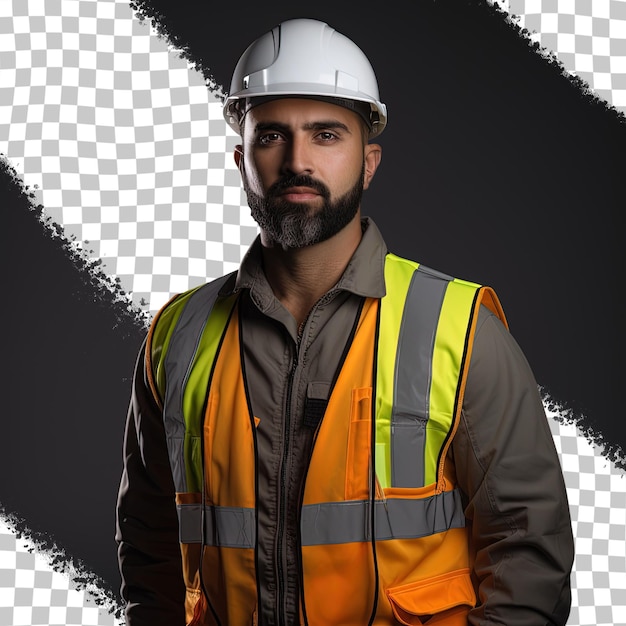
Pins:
<point x="499" y="376"/>
<point x="494" y="345"/>
<point x="188" y="309"/>
<point x="208" y="292"/>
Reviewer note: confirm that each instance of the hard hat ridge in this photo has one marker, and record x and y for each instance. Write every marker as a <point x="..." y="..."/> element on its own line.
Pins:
<point x="308" y="58"/>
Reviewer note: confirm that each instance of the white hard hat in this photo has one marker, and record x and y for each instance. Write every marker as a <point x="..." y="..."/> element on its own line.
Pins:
<point x="308" y="58"/>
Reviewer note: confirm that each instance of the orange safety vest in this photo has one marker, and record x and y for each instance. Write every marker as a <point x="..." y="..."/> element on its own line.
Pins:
<point x="383" y="547"/>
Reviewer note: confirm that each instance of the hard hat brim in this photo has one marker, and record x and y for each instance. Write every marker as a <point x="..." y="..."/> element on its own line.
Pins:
<point x="377" y="121"/>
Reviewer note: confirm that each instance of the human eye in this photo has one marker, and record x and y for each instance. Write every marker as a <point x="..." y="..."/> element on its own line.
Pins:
<point x="269" y="138"/>
<point x="327" y="136"/>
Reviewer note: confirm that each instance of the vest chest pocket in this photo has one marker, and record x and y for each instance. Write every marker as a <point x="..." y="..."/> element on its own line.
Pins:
<point x="359" y="448"/>
<point x="444" y="600"/>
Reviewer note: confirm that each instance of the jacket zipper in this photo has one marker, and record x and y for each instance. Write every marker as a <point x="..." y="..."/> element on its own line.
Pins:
<point x="283" y="490"/>
<point x="282" y="609"/>
<point x="317" y="430"/>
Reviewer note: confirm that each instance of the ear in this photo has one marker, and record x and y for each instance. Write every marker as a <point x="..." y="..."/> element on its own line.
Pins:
<point x="372" y="155"/>
<point x="238" y="155"/>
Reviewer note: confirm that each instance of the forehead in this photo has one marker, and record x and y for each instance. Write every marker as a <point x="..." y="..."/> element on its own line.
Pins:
<point x="296" y="113"/>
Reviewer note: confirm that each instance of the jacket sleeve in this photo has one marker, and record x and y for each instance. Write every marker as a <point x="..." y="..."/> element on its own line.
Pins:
<point x="147" y="525"/>
<point x="516" y="501"/>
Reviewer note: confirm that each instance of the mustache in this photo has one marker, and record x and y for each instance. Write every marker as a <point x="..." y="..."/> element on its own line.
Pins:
<point x="298" y="180"/>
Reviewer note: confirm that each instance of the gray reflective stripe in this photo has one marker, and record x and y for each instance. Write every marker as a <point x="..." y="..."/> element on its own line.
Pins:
<point x="180" y="354"/>
<point x="226" y="526"/>
<point x="346" y="522"/>
<point x="413" y="376"/>
<point x="330" y="522"/>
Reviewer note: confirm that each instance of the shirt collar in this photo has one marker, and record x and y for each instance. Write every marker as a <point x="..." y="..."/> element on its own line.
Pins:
<point x="363" y="276"/>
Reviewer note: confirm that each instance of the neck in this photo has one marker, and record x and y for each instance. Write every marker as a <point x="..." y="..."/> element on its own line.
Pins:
<point x="299" y="277"/>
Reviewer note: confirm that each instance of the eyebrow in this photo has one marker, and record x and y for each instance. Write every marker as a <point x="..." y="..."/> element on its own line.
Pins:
<point x="318" y="125"/>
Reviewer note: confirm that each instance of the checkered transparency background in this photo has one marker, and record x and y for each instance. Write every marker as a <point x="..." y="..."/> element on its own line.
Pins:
<point x="128" y="151"/>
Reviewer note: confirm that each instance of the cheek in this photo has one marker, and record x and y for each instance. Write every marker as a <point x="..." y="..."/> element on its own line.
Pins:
<point x="250" y="177"/>
<point x="343" y="174"/>
<point x="261" y="173"/>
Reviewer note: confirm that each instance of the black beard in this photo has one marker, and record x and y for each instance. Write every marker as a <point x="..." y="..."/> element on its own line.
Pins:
<point x="294" y="224"/>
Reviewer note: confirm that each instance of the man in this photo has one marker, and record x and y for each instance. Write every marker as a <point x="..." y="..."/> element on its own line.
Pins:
<point x="332" y="434"/>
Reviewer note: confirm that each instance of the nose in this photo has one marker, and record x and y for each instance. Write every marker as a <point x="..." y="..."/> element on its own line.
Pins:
<point x="298" y="157"/>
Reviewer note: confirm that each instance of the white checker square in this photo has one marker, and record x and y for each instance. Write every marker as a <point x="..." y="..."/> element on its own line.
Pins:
<point x="158" y="299"/>
<point x="584" y="578"/>
<point x="563" y="6"/>
<point x="617" y="30"/>
<point x="616" y="518"/>
<point x="7" y="598"/>
<point x="602" y="8"/>
<point x="24" y="578"/>
<point x="603" y="82"/>
<point x="550" y="23"/>
<point x="567" y="43"/>
<point x="197" y="267"/>
<point x="197" y="194"/>
<point x="619" y="98"/>
<point x="127" y="230"/>
<point x="141" y="81"/>
<point x="58" y="616"/>
<point x="215" y="111"/>
<point x="23" y="616"/>
<point x="71" y="41"/>
<point x="230" y="266"/>
<point x="109" y="249"/>
<point x="180" y="248"/>
<point x="232" y="234"/>
<point x="583" y="24"/>
<point x="215" y="250"/>
<point x="215" y="177"/>
<point x="161" y="265"/>
<point x="41" y="597"/>
<point x="179" y="73"/>
<point x="618" y="64"/>
<point x="54" y="57"/>
<point x="125" y="266"/>
<point x="21" y="97"/>
<point x="584" y="62"/>
<point x="232" y="196"/>
<point x="38" y="40"/>
<point x="144" y="248"/>
<point x="7" y="44"/>
<point x="141" y="282"/>
<point x="600" y="46"/>
<point x="93" y="232"/>
<point x="109" y="182"/>
<point x="179" y="284"/>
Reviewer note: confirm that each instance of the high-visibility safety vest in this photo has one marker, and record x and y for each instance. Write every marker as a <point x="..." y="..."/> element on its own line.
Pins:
<point x="383" y="547"/>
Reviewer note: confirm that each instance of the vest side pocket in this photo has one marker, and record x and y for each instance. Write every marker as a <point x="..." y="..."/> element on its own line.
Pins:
<point x="444" y="599"/>
<point x="358" y="455"/>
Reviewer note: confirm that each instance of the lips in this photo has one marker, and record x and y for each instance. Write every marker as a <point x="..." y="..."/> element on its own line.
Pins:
<point x="299" y="193"/>
<point x="303" y="184"/>
<point x="299" y="190"/>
